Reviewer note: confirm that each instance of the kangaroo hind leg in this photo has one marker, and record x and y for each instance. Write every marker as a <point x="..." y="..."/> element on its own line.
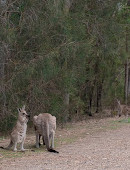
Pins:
<point x="15" y="146"/>
<point x="52" y="139"/>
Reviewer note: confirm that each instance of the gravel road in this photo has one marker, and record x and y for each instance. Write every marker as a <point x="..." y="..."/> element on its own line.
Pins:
<point x="108" y="149"/>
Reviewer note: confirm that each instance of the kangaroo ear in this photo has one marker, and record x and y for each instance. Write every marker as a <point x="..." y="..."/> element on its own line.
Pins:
<point x="117" y="100"/>
<point x="19" y="110"/>
<point x="23" y="108"/>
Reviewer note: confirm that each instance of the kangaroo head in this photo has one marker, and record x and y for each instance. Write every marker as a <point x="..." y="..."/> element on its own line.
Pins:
<point x="23" y="116"/>
<point x="118" y="101"/>
<point x="35" y="120"/>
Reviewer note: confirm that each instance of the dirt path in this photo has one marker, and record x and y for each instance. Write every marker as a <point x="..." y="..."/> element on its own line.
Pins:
<point x="100" y="145"/>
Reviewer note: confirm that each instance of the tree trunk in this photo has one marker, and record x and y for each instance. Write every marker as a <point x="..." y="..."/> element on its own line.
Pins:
<point x="126" y="69"/>
<point x="3" y="56"/>
<point x="99" y="96"/>
<point x="128" y="81"/>
<point x="67" y="99"/>
<point x="97" y="103"/>
<point x="90" y="106"/>
<point x="67" y="5"/>
<point x="66" y="103"/>
<point x="2" y="77"/>
<point x="3" y="2"/>
<point x="90" y="92"/>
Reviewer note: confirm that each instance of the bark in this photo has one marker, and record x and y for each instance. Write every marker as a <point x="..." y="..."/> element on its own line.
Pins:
<point x="2" y="77"/>
<point x="89" y="92"/>
<point x="99" y="95"/>
<point x="66" y="99"/>
<point x="4" y="55"/>
<point x="129" y="82"/>
<point x="67" y="5"/>
<point x="3" y="2"/>
<point x="90" y="105"/>
<point x="128" y="2"/>
<point x="126" y="69"/>
<point x="66" y="103"/>
<point x="127" y="77"/>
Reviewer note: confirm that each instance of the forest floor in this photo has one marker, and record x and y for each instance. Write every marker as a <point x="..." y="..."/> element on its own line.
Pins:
<point x="93" y="144"/>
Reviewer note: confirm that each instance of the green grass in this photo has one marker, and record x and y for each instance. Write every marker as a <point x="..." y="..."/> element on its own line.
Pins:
<point x="10" y="154"/>
<point x="128" y="120"/>
<point x="2" y="138"/>
<point x="125" y="120"/>
<point x="118" y="123"/>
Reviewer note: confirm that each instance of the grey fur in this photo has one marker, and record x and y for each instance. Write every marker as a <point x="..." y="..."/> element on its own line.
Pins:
<point x="18" y="133"/>
<point x="122" y="109"/>
<point x="45" y="125"/>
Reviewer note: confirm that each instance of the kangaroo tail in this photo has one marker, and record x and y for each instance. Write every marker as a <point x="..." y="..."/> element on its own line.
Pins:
<point x="45" y="129"/>
<point x="2" y="147"/>
<point x="52" y="150"/>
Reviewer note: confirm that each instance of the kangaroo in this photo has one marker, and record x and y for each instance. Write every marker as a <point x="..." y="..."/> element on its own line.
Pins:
<point x="122" y="109"/>
<point x="45" y="126"/>
<point x="18" y="134"/>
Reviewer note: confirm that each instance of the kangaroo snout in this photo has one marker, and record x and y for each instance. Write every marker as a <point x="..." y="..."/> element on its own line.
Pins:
<point x="28" y="116"/>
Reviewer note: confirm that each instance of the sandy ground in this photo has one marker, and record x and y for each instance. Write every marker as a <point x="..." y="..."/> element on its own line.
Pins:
<point x="101" y="145"/>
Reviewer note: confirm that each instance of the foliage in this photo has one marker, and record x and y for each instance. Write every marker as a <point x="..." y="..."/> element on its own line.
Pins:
<point x="54" y="49"/>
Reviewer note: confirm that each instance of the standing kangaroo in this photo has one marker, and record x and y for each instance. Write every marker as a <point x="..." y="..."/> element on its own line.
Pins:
<point x="18" y="134"/>
<point x="45" y="126"/>
<point x="122" y="109"/>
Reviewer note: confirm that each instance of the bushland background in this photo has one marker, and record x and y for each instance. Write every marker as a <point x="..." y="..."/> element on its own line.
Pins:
<point x="69" y="58"/>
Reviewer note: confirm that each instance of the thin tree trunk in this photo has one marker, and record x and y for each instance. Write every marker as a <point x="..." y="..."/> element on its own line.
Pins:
<point x="90" y="106"/>
<point x="126" y="81"/>
<point x="126" y="70"/>
<point x="67" y="5"/>
<point x="97" y="103"/>
<point x="91" y="90"/>
<point x="3" y="56"/>
<point x="2" y="76"/>
<point x="129" y="82"/>
<point x="66" y="103"/>
<point x="99" y="96"/>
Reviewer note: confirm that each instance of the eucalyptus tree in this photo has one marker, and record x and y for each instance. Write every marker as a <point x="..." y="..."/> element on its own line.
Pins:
<point x="64" y="57"/>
